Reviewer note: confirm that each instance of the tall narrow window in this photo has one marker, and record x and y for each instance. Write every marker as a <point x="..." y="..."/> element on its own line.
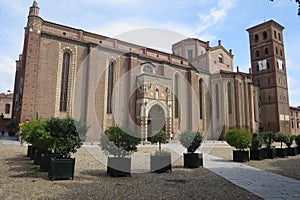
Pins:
<point x="229" y="98"/>
<point x="257" y="53"/>
<point x="221" y="59"/>
<point x="266" y="51"/>
<point x="190" y="53"/>
<point x="201" y="98"/>
<point x="7" y="108"/>
<point x="265" y="35"/>
<point x="156" y="93"/>
<point x="217" y="102"/>
<point x="110" y="87"/>
<point x="256" y="38"/>
<point x="176" y="95"/>
<point x="64" y="82"/>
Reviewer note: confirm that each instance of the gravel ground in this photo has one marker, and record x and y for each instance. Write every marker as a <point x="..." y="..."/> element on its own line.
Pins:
<point x="20" y="179"/>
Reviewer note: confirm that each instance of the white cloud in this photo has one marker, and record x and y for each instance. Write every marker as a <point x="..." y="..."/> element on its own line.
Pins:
<point x="7" y="68"/>
<point x="215" y="15"/>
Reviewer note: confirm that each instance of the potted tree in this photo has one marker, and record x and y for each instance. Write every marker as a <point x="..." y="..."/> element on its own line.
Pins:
<point x="160" y="161"/>
<point x="297" y="140"/>
<point x="191" y="141"/>
<point x="66" y="141"/>
<point x="268" y="139"/>
<point x="120" y="143"/>
<point x="240" y="139"/>
<point x="282" y="138"/>
<point x="291" y="151"/>
<point x="256" y="151"/>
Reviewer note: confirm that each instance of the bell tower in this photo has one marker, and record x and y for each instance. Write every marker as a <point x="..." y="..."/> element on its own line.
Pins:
<point x="269" y="73"/>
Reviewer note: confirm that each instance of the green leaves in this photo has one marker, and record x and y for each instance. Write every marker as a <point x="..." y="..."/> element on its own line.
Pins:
<point x="239" y="138"/>
<point x="119" y="141"/>
<point x="191" y="140"/>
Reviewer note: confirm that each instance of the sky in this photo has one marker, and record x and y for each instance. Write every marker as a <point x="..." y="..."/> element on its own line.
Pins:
<point x="207" y="20"/>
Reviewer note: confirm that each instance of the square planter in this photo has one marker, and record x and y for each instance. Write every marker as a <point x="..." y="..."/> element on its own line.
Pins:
<point x="28" y="150"/>
<point x="32" y="151"/>
<point x="45" y="161"/>
<point x="257" y="154"/>
<point x="292" y="151"/>
<point x="118" y="166"/>
<point x="192" y="160"/>
<point x="240" y="156"/>
<point x="61" y="168"/>
<point x="160" y="164"/>
<point x="270" y="153"/>
<point x="37" y="156"/>
<point x="281" y="152"/>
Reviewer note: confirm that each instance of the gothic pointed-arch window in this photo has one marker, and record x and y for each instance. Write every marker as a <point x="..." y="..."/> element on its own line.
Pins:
<point x="110" y="87"/>
<point x="201" y="98"/>
<point x="176" y="92"/>
<point x="217" y="102"/>
<point x="229" y="97"/>
<point x="64" y="82"/>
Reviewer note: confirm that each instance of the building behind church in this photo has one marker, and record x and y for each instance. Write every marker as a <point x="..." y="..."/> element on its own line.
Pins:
<point x="64" y="71"/>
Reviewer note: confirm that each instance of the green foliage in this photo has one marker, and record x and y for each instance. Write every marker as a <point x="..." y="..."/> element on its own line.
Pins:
<point x="297" y="140"/>
<point x="65" y="136"/>
<point x="239" y="138"/>
<point x="268" y="139"/>
<point x="281" y="137"/>
<point x="191" y="140"/>
<point x="27" y="129"/>
<point x="162" y="153"/>
<point x="119" y="141"/>
<point x="257" y="141"/>
<point x="159" y="137"/>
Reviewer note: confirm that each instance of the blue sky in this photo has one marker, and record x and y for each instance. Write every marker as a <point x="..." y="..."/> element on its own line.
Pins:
<point x="212" y="20"/>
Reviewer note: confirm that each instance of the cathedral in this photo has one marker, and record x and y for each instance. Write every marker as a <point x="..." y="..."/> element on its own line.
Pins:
<point x="64" y="71"/>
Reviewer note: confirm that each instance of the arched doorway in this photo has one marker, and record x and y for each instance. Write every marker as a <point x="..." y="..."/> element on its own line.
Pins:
<point x="156" y="120"/>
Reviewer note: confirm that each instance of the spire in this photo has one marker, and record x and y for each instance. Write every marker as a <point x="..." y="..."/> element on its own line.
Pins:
<point x="34" y="9"/>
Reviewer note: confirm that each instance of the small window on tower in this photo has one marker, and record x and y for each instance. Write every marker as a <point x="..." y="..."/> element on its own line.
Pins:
<point x="265" y="35"/>
<point x="148" y="69"/>
<point x="266" y="51"/>
<point x="281" y="54"/>
<point x="276" y="50"/>
<point x="257" y="53"/>
<point x="275" y="35"/>
<point x="279" y="36"/>
<point x="256" y="38"/>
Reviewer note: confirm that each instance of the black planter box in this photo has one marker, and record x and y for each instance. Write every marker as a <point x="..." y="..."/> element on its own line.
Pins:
<point x="37" y="156"/>
<point x="160" y="164"/>
<point x="257" y="154"/>
<point x="281" y="152"/>
<point x="61" y="168"/>
<point x="270" y="153"/>
<point x="192" y="160"/>
<point x="118" y="166"/>
<point x="45" y="161"/>
<point x="292" y="151"/>
<point x="32" y="151"/>
<point x="240" y="156"/>
<point x="28" y="150"/>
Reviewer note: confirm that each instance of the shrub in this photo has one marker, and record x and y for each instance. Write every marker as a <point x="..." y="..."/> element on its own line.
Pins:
<point x="66" y="139"/>
<point x="159" y="137"/>
<point x="257" y="141"/>
<point x="191" y="140"/>
<point x="162" y="153"/>
<point x="119" y="142"/>
<point x="268" y="139"/>
<point x="282" y="138"/>
<point x="297" y="140"/>
<point x="239" y="138"/>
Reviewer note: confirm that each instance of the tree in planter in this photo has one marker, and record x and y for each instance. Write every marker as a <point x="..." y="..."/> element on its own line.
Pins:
<point x="119" y="142"/>
<point x="282" y="138"/>
<point x="268" y="140"/>
<point x="256" y="151"/>
<point x="191" y="141"/>
<point x="161" y="160"/>
<point x="291" y="151"/>
<point x="241" y="140"/>
<point x="66" y="141"/>
<point x="297" y="140"/>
